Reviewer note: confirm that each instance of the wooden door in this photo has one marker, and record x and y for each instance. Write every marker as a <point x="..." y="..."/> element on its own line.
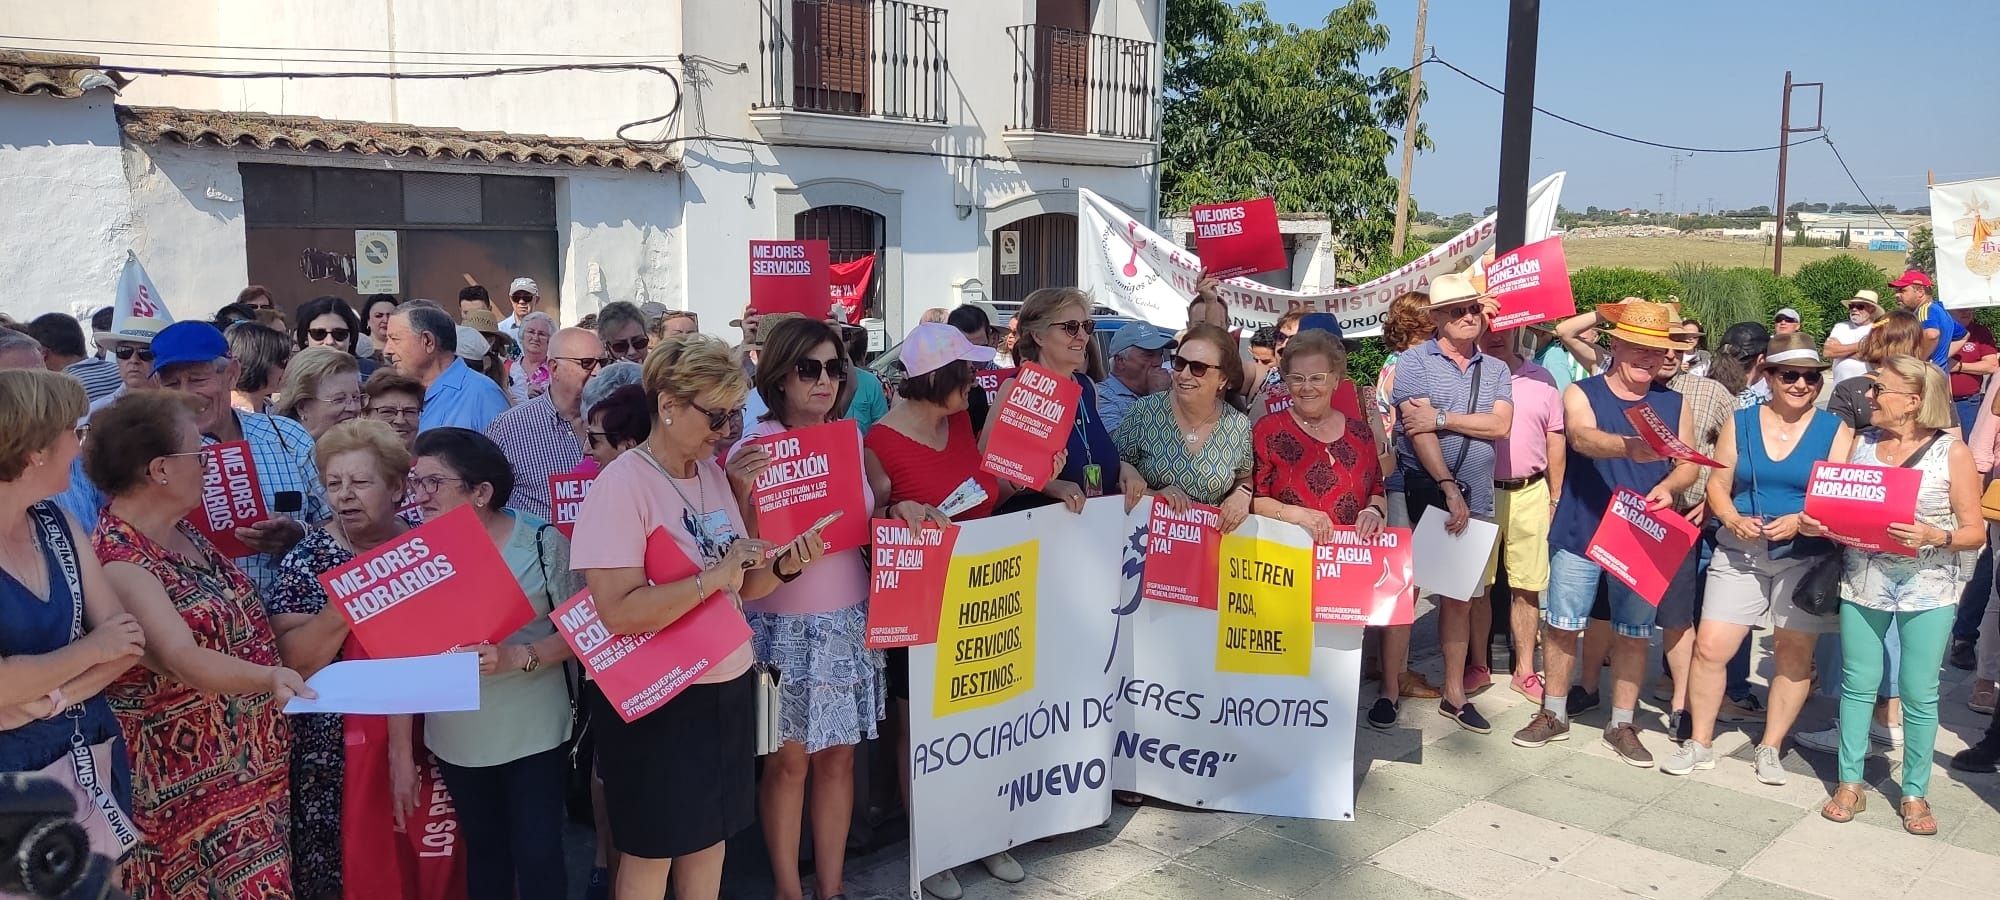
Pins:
<point x="1048" y="256"/>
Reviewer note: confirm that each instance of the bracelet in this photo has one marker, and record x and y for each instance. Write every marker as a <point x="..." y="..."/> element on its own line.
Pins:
<point x="699" y="595"/>
<point x="1245" y="488"/>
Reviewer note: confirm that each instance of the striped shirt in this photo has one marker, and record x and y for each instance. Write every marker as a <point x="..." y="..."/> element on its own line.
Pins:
<point x="1424" y="371"/>
<point x="282" y="453"/>
<point x="99" y="376"/>
<point x="1711" y="405"/>
<point x="538" y="442"/>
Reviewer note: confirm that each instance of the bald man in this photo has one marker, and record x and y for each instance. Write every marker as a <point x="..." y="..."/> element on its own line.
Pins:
<point x="545" y="435"/>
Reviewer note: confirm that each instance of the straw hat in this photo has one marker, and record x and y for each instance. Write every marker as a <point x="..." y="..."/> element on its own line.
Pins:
<point x="483" y="321"/>
<point x="1452" y="289"/>
<point x="1644" y="323"/>
<point x="1868" y="297"/>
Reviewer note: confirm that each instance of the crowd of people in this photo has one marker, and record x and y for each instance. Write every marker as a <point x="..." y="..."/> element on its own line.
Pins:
<point x="147" y="666"/>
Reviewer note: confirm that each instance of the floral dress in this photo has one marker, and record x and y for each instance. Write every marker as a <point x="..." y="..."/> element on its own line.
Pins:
<point x="210" y="786"/>
<point x="1297" y="469"/>
<point x="318" y="745"/>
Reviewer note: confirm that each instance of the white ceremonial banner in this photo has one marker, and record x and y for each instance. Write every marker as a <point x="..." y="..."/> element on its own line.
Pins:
<point x="1124" y="265"/>
<point x="1965" y="221"/>
<point x="1051" y="684"/>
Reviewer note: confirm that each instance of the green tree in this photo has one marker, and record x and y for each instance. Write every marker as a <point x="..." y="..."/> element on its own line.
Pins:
<point x="1254" y="107"/>
<point x="1923" y="251"/>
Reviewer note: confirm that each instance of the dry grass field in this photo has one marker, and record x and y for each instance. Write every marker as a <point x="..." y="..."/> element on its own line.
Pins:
<point x="1658" y="253"/>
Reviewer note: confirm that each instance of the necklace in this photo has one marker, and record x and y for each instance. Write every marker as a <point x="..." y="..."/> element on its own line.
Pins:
<point x="1193" y="435"/>
<point x="700" y="489"/>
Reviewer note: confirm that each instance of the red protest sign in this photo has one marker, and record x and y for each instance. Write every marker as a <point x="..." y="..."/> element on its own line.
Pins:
<point x="441" y="585"/>
<point x="1358" y="582"/>
<point x="789" y="276"/>
<point x="1182" y="555"/>
<point x="1027" y="430"/>
<point x="1239" y="238"/>
<point x="231" y="497"/>
<point x="639" y="672"/>
<point x="1858" y="503"/>
<point x="814" y="472"/>
<point x="991" y="380"/>
<point x="566" y="499"/>
<point x="1531" y="284"/>
<point x="906" y="583"/>
<point x="847" y="285"/>
<point x="1663" y="439"/>
<point x="1642" y="548"/>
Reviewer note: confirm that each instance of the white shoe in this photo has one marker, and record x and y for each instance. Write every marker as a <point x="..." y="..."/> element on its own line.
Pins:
<point x="1002" y="866"/>
<point x="1887" y="735"/>
<point x="944" y="886"/>
<point x="1825" y="740"/>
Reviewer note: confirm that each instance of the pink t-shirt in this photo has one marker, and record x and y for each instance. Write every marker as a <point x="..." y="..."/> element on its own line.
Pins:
<point x="630" y="498"/>
<point x="1538" y="412"/>
<point x="833" y="583"/>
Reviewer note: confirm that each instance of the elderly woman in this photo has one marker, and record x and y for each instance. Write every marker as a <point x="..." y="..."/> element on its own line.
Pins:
<point x="679" y="780"/>
<point x="1190" y="445"/>
<point x="330" y="322"/>
<point x="262" y="356"/>
<point x="504" y="762"/>
<point x="396" y="400"/>
<point x="375" y="313"/>
<point x="1055" y="331"/>
<point x="362" y="465"/>
<point x="63" y="634"/>
<point x="614" y="419"/>
<point x="811" y="629"/>
<point x="204" y="717"/>
<point x="529" y="376"/>
<point x="1912" y="415"/>
<point x="322" y="389"/>
<point x="622" y="328"/>
<point x="1758" y="497"/>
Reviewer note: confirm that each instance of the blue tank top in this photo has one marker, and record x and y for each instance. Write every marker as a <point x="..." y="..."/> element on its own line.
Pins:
<point x="1589" y="483"/>
<point x="1772" y="488"/>
<point x="1090" y="443"/>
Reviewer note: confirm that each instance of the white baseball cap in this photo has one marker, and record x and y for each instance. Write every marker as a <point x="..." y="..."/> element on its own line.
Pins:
<point x="524" y="283"/>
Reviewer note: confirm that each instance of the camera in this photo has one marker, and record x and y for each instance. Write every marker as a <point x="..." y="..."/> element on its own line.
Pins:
<point x="44" y="853"/>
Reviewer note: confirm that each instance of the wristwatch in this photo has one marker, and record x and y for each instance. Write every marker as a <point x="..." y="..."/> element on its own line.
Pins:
<point x="534" y="659"/>
<point x="1440" y="421"/>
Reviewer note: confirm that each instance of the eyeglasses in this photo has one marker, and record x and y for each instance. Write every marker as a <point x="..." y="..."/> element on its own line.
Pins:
<point x="1463" y="310"/>
<point x="1319" y="380"/>
<point x="1199" y="368"/>
<point x="718" y="418"/>
<point x="339" y="334"/>
<point x="1075" y="327"/>
<point x="809" y="370"/>
<point x="426" y="485"/>
<point x="206" y="460"/>
<point x="1877" y="389"/>
<point x="344" y="399"/>
<point x="145" y="354"/>
<point x="629" y="345"/>
<point x="597" y="437"/>
<point x="1792" y="376"/>
<point x="587" y="364"/>
<point x="395" y="413"/>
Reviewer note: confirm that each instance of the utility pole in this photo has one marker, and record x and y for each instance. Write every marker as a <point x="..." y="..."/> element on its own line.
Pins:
<point x="1410" y="134"/>
<point x="1785" y="132"/>
<point x="1517" y="121"/>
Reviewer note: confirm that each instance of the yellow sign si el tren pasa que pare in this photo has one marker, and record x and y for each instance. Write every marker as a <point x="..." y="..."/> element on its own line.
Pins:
<point x="1264" y="623"/>
<point x="986" y="634"/>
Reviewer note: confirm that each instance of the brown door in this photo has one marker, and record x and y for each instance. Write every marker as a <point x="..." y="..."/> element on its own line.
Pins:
<point x="1048" y="256"/>
<point x="830" y="55"/>
<point x="1062" y="65"/>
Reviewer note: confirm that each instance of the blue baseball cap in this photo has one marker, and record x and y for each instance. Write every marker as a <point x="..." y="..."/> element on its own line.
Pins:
<point x="1319" y="321"/>
<point x="1143" y="335"/>
<point x="187" y="342"/>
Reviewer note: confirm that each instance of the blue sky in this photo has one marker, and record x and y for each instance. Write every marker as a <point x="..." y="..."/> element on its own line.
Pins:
<point x="1910" y="86"/>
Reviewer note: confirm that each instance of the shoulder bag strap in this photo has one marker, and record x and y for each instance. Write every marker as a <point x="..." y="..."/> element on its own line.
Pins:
<point x="1918" y="456"/>
<point x="48" y="519"/>
<point x="1471" y="408"/>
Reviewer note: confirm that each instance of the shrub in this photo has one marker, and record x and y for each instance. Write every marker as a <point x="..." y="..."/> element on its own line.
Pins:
<point x="1828" y="284"/>
<point x="1609" y="284"/>
<point x="1718" y="297"/>
<point x="1780" y="292"/>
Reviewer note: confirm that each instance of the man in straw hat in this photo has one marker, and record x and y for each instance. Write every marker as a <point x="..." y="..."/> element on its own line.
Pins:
<point x="1606" y="453"/>
<point x="1843" y="341"/>
<point x="1452" y="402"/>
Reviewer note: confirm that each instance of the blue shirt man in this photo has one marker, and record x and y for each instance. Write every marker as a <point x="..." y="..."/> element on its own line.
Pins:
<point x="1913" y="290"/>
<point x="461" y="398"/>
<point x="423" y="342"/>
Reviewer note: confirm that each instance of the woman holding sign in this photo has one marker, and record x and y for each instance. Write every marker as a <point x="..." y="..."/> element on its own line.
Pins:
<point x="660" y="534"/>
<point x="1911" y="404"/>
<point x="204" y="718"/>
<point x="1055" y="331"/>
<point x="1189" y="444"/>
<point x="813" y="629"/>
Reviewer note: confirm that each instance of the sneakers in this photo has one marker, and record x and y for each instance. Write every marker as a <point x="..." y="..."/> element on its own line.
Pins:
<point x="1477" y="679"/>
<point x="1984" y="695"/>
<point x="1542" y="729"/>
<point x="944" y="886"/>
<point x="1624" y="740"/>
<point x="1466" y="717"/>
<point x="1529" y="686"/>
<point x="1383" y="714"/>
<point x="1582" y="701"/>
<point x="1963" y="655"/>
<point x="1827" y="740"/>
<point x="1734" y="711"/>
<point x="1413" y="686"/>
<point x="1691" y="757"/>
<point x="1890" y="736"/>
<point x="1002" y="866"/>
<point x="1981" y="757"/>
<point x="1680" y="726"/>
<point x="1770" y="770"/>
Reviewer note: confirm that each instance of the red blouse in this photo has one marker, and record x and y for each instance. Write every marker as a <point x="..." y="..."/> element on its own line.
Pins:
<point x="917" y="472"/>
<point x="1298" y="469"/>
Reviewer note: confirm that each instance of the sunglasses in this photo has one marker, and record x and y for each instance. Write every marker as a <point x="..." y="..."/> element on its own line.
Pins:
<point x="629" y="345"/>
<point x="1183" y="364"/>
<point x="1076" y="327"/>
<point x="145" y="354"/>
<point x="1463" y="310"/>
<point x="587" y="364"/>
<point x="597" y="437"/>
<point x="809" y="370"/>
<point x="1877" y="389"/>
<point x="718" y="419"/>
<point x="1793" y="376"/>
<point x="320" y="334"/>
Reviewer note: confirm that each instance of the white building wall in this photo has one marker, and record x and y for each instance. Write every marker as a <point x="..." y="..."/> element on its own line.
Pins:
<point x="187" y="225"/>
<point x="63" y="205"/>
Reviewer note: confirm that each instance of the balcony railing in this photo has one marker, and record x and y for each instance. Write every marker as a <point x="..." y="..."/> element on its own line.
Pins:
<point x="1075" y="82"/>
<point x="879" y="58"/>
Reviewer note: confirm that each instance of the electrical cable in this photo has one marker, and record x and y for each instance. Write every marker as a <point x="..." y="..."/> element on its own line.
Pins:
<point x="473" y="53"/>
<point x="1856" y="182"/>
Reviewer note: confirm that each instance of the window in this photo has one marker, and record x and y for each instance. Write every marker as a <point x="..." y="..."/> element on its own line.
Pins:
<point x="850" y="232"/>
<point x="830" y="53"/>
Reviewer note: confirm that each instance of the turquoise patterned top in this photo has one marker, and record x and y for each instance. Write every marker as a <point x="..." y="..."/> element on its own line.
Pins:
<point x="1150" y="439"/>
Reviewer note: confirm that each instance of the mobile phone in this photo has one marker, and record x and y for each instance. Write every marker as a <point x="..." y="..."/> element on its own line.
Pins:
<point x="824" y="521"/>
<point x="288" y="502"/>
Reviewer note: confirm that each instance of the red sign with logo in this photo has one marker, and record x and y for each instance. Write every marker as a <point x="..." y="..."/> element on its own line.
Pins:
<point x="1183" y="553"/>
<point x="566" y="500"/>
<point x="441" y="585"/>
<point x="789" y="276"/>
<point x="1239" y="238"/>
<point x="1664" y="441"/>
<point x="1531" y="284"/>
<point x="1358" y="582"/>
<point x="814" y="472"/>
<point x="906" y="583"/>
<point x="1027" y="430"/>
<point x="231" y="497"/>
<point x="1642" y="548"/>
<point x="991" y="380"/>
<point x="1858" y="503"/>
<point x="847" y="286"/>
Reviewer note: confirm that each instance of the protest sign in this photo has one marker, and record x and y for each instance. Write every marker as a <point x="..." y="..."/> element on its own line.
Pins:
<point x="1181" y="555"/>
<point x="441" y="585"/>
<point x="1642" y="548"/>
<point x="1531" y="284"/>
<point x="639" y="672"/>
<point x="991" y="380"/>
<point x="1239" y="238"/>
<point x="1452" y="565"/>
<point x="814" y="472"/>
<point x="1858" y="503"/>
<point x="566" y="500"/>
<point x="1965" y="221"/>
<point x="986" y="630"/>
<point x="906" y="582"/>
<point x="1264" y="623"/>
<point x="231" y="497"/>
<point x="1663" y="439"/>
<point x="789" y="276"/>
<point x="1358" y="582"/>
<point x="1030" y="426"/>
<point x="847" y="287"/>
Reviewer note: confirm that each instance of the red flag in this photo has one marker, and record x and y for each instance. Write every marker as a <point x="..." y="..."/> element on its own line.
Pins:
<point x="847" y="284"/>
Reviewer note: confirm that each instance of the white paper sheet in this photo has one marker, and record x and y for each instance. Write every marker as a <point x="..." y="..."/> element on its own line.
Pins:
<point x="447" y="682"/>
<point x="1448" y="565"/>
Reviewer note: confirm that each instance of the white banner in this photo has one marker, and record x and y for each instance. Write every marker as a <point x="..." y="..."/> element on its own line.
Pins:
<point x="1965" y="220"/>
<point x="1050" y="685"/>
<point x="1124" y="265"/>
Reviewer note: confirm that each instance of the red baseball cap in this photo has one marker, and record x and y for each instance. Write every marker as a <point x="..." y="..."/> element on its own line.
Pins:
<point x="1913" y="276"/>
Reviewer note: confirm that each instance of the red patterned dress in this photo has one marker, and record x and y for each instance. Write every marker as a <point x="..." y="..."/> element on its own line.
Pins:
<point x="1295" y="468"/>
<point x="210" y="774"/>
